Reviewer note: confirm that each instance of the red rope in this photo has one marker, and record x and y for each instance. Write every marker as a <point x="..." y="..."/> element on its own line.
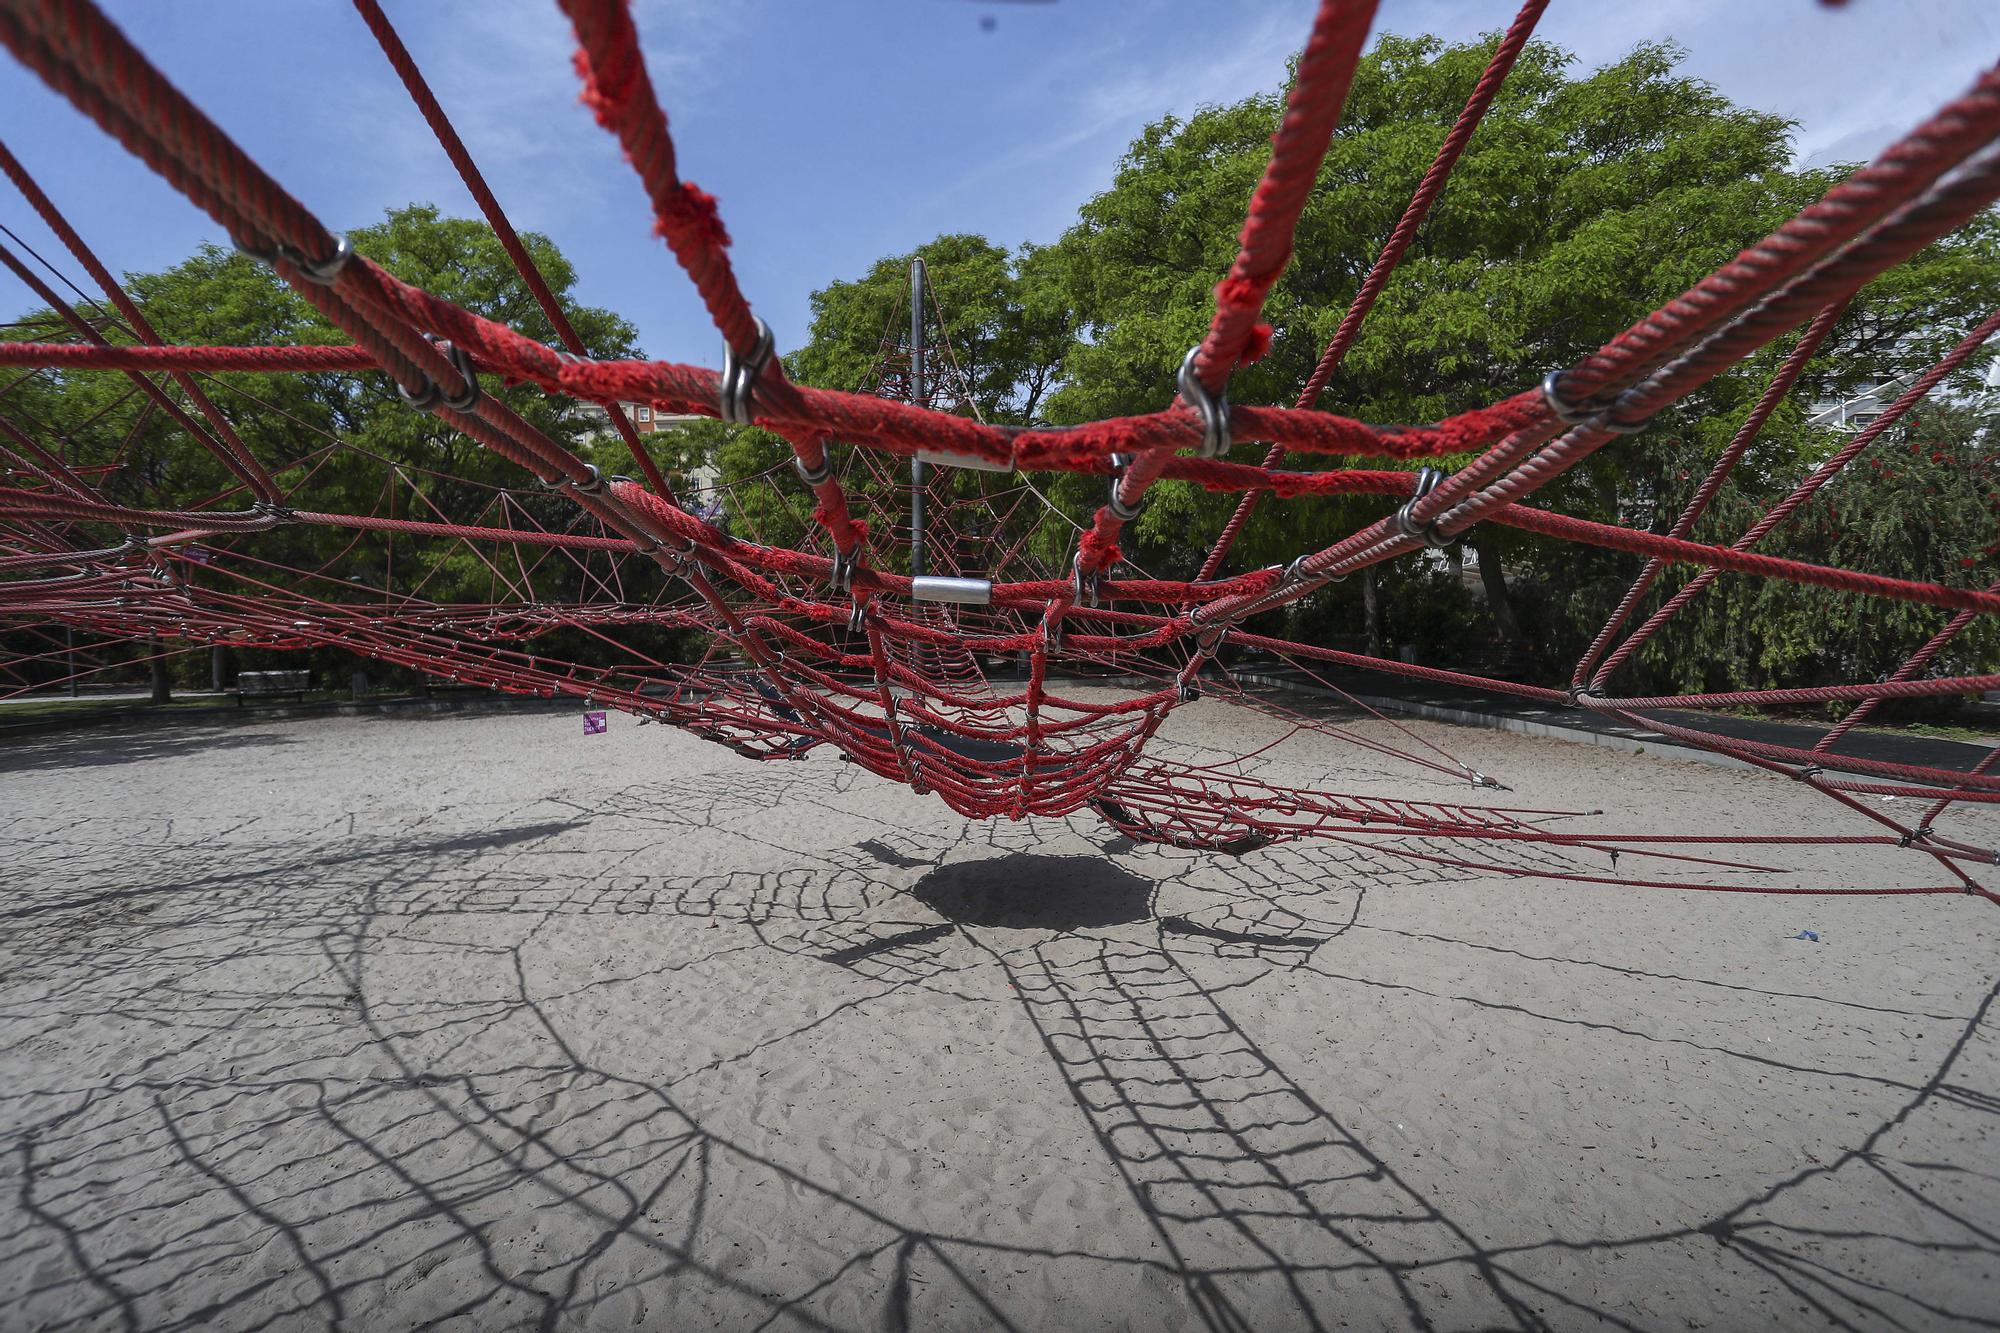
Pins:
<point x="903" y="692"/>
<point x="1711" y="485"/>
<point x="1483" y="92"/>
<point x="524" y="263"/>
<point x="1810" y="487"/>
<point x="1312" y="109"/>
<point x="619" y="91"/>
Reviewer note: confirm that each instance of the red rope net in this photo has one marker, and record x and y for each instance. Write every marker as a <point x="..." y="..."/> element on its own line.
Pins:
<point x="816" y="643"/>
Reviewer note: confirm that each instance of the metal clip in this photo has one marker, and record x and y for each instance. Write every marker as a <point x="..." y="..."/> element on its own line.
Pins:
<point x="814" y="476"/>
<point x="1212" y="408"/>
<point x="1427" y="533"/>
<point x="842" y="573"/>
<point x="674" y="559"/>
<point x="431" y="395"/>
<point x="1296" y="573"/>
<point x="964" y="592"/>
<point x="1566" y="412"/>
<point x="323" y="272"/>
<point x="857" y="617"/>
<point x="1123" y="512"/>
<point x="945" y="458"/>
<point x="1607" y="422"/>
<point x="590" y="487"/>
<point x="1088" y="587"/>
<point x="276" y="512"/>
<point x="1573" y="414"/>
<point x="736" y="395"/>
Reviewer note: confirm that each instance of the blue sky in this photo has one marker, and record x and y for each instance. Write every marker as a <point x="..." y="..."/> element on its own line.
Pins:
<point x="838" y="131"/>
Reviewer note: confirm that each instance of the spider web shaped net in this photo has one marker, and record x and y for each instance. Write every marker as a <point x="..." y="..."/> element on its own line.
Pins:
<point x="962" y="679"/>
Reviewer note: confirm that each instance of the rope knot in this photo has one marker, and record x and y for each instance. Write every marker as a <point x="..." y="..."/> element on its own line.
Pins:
<point x="689" y="220"/>
<point x="1097" y="551"/>
<point x="609" y="88"/>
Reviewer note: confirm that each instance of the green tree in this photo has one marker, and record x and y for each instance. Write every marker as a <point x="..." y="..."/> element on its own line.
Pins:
<point x="1008" y="329"/>
<point x="347" y="441"/>
<point x="1006" y="333"/>
<point x="1583" y="202"/>
<point x="1923" y="503"/>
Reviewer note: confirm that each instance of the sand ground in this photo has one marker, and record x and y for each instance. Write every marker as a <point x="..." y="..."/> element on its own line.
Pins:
<point x="473" y="1022"/>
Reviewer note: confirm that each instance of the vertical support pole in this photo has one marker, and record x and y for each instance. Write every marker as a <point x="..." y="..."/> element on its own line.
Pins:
<point x="918" y="468"/>
<point x="156" y="667"/>
<point x="389" y="570"/>
<point x="69" y="653"/>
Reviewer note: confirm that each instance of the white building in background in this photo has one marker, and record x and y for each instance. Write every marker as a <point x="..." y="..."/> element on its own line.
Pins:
<point x="598" y="427"/>
<point x="1861" y="409"/>
<point x="1872" y="397"/>
<point x="599" y="419"/>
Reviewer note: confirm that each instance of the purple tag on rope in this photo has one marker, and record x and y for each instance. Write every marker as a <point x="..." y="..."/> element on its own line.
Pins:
<point x="594" y="724"/>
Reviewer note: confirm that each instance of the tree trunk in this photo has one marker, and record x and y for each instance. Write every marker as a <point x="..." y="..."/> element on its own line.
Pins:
<point x="1371" y="612"/>
<point x="1494" y="580"/>
<point x="157" y="664"/>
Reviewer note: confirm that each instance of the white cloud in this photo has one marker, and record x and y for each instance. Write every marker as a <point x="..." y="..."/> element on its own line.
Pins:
<point x="799" y="115"/>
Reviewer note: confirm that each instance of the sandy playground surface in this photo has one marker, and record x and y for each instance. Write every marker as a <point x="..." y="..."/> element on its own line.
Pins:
<point x="472" y="1022"/>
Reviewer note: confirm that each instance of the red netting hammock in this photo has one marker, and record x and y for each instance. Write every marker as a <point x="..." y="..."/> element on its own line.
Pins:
<point x="817" y="644"/>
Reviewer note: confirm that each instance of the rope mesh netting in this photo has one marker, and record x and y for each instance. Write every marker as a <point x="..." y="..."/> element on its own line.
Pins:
<point x="816" y="642"/>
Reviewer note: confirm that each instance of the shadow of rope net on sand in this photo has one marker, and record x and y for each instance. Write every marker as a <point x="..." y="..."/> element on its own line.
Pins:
<point x="1140" y="1019"/>
<point x="528" y="1060"/>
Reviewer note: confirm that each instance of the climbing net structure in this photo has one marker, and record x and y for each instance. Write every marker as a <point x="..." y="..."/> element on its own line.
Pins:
<point x="823" y="642"/>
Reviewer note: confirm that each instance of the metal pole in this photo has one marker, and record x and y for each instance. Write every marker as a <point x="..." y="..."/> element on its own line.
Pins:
<point x="918" y="468"/>
<point x="69" y="651"/>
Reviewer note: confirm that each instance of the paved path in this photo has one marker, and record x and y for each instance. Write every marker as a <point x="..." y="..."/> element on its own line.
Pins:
<point x="1465" y="706"/>
<point x="1488" y="708"/>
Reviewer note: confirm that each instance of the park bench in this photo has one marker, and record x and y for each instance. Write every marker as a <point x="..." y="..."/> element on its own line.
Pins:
<point x="264" y="684"/>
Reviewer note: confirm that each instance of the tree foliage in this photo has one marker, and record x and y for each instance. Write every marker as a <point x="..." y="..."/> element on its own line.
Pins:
<point x="1587" y="198"/>
<point x="356" y="447"/>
